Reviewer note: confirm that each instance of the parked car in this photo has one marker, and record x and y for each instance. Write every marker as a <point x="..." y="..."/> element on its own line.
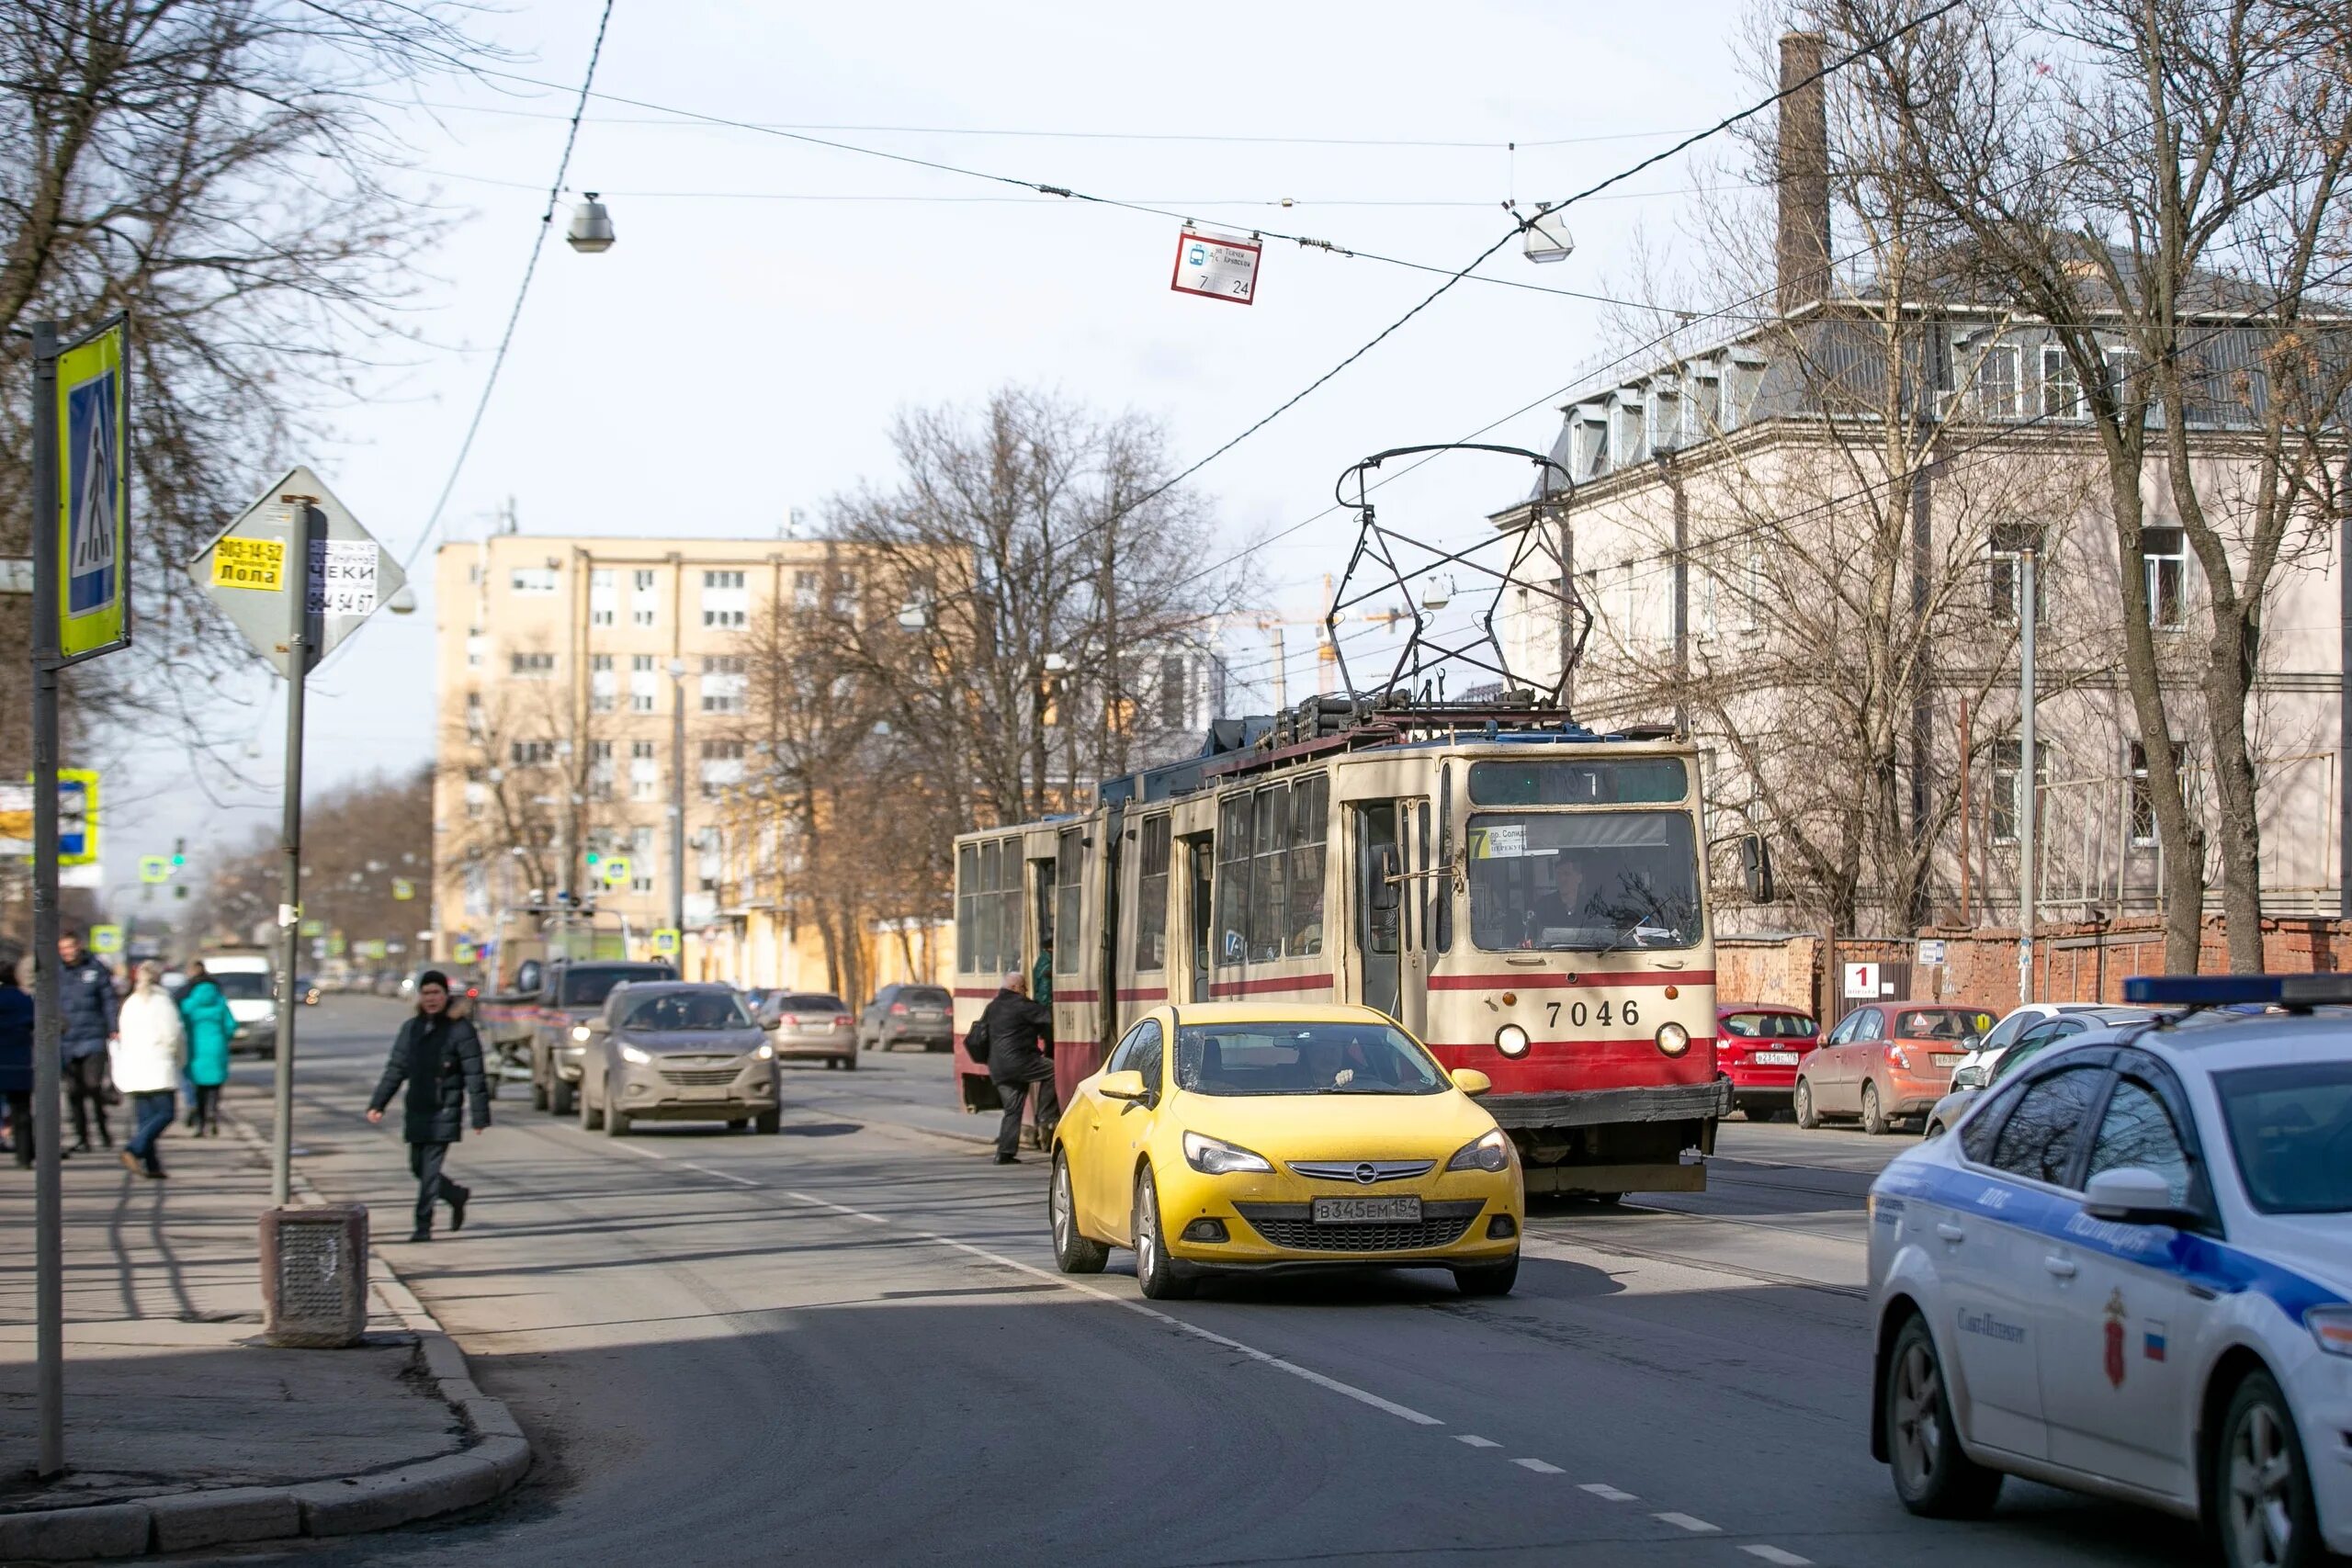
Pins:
<point x="677" y="1051"/>
<point x="1885" y="1062"/>
<point x="904" y="1014"/>
<point x="1760" y="1048"/>
<point x="1975" y="1069"/>
<point x="2040" y="1033"/>
<point x="812" y="1024"/>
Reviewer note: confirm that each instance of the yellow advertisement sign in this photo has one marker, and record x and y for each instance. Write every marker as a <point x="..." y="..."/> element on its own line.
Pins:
<point x="257" y="564"/>
<point x="92" y="496"/>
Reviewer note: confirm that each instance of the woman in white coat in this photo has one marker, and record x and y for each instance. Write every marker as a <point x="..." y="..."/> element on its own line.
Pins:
<point x="147" y="1062"/>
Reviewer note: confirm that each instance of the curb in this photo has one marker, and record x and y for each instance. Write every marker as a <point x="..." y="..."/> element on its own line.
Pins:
<point x="493" y="1461"/>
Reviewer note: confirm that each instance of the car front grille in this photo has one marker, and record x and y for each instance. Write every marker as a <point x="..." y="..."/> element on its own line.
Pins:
<point x="1362" y="1172"/>
<point x="1291" y="1225"/>
<point x="698" y="1077"/>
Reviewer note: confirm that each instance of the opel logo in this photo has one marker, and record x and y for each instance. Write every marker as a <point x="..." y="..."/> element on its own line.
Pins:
<point x="1366" y="1175"/>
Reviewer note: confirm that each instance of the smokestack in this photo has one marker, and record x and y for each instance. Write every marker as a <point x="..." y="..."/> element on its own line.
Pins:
<point x="1802" y="160"/>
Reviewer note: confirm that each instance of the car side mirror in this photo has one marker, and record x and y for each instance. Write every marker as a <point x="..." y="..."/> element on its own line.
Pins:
<point x="1122" y="1085"/>
<point x="1470" y="1080"/>
<point x="1972" y="1041"/>
<point x="2130" y="1196"/>
<point x="526" y="978"/>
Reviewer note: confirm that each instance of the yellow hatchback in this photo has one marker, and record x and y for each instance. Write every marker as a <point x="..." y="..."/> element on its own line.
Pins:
<point x="1225" y="1137"/>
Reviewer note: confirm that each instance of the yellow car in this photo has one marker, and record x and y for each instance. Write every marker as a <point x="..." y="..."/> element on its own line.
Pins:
<point x="1225" y="1137"/>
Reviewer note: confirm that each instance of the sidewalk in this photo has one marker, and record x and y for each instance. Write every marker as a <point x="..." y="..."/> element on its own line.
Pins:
<point x="182" y="1429"/>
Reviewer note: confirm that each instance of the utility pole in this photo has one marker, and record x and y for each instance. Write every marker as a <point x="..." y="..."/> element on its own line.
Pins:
<point x="678" y="805"/>
<point x="2343" y="712"/>
<point x="49" y="1214"/>
<point x="2029" y="796"/>
<point x="290" y="838"/>
<point x="1681" y="595"/>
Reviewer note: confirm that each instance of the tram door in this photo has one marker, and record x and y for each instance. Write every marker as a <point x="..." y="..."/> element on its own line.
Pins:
<point x="1199" y="863"/>
<point x="1379" y="905"/>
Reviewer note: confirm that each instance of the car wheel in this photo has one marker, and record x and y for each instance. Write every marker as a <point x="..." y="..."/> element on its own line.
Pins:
<point x="1488" y="1279"/>
<point x="849" y="1064"/>
<point x="2262" y="1490"/>
<point x="616" y="1119"/>
<point x="831" y="1062"/>
<point x="538" y="1095"/>
<point x="769" y="1122"/>
<point x="1875" y="1120"/>
<point x="936" y="1045"/>
<point x="1807" y="1116"/>
<point x="1074" y="1253"/>
<point x="738" y="1123"/>
<point x="1161" y="1277"/>
<point x="1932" y="1477"/>
<point x="560" y="1094"/>
<point x="589" y="1120"/>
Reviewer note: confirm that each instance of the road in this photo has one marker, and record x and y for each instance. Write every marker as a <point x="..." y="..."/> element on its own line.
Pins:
<point x="847" y="1343"/>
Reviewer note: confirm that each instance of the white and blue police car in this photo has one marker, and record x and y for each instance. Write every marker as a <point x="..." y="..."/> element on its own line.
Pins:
<point x="2128" y="1270"/>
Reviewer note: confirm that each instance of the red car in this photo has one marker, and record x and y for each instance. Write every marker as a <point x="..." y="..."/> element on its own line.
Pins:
<point x="1887" y="1062"/>
<point x="1759" y="1047"/>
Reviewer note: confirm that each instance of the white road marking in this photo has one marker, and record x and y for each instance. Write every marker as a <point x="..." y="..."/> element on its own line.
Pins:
<point x="737" y="1180"/>
<point x="1477" y="1442"/>
<point x="1774" y="1554"/>
<point x="1539" y="1467"/>
<point x="638" y="1149"/>
<point x="1362" y="1396"/>
<point x="1684" y="1521"/>
<point x="1606" y="1493"/>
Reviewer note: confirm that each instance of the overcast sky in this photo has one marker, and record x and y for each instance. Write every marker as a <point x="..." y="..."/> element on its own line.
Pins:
<point x="770" y="303"/>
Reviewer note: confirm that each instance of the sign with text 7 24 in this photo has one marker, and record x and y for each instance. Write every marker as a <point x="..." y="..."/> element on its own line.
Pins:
<point x="1217" y="266"/>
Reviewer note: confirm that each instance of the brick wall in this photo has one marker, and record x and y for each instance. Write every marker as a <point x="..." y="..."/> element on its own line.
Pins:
<point x="1782" y="970"/>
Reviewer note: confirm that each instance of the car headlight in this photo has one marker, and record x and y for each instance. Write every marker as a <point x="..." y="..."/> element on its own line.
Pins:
<point x="1511" y="1041"/>
<point x="580" y="1033"/>
<point x="1673" y="1039"/>
<point x="1491" y="1151"/>
<point x="1214" y="1156"/>
<point x="632" y="1054"/>
<point x="2332" y="1326"/>
<point x="764" y="1053"/>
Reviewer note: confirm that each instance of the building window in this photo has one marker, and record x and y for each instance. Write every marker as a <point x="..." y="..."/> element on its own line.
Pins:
<point x="726" y="601"/>
<point x="643" y="603"/>
<point x="2143" y="802"/>
<point x="531" y="579"/>
<point x="604" y="685"/>
<point x="1666" y="416"/>
<point x="604" y="597"/>
<point x="722" y="683"/>
<point x="477" y="649"/>
<point x="845" y="593"/>
<point x="531" y="666"/>
<point x="2005" y="572"/>
<point x="642" y="682"/>
<point x="807" y="590"/>
<point x="1632" y="434"/>
<point x="477" y="797"/>
<point x="644" y="772"/>
<point x="722" y="767"/>
<point x="1703" y="411"/>
<point x="1997" y="383"/>
<point x="2166" y="553"/>
<point x="2007" y="765"/>
<point x="600" y="770"/>
<point x="2121" y="368"/>
<point x="1175" y="692"/>
<point x="640" y="860"/>
<point x="2062" y="389"/>
<point x="1590" y="448"/>
<point x="532" y="753"/>
<point x="1752" y="588"/>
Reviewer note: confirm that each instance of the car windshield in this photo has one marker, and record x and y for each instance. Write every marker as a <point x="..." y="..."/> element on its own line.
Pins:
<point x="1242" y="1059"/>
<point x="588" y="987"/>
<point x="241" y="985"/>
<point x="1583" y="881"/>
<point x="686" y="1012"/>
<point x="2291" y="1129"/>
<point x="1770" y="1025"/>
<point x="809" y="1001"/>
<point x="1939" y="1023"/>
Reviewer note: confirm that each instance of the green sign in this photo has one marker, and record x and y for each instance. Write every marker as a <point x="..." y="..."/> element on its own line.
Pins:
<point x="368" y="949"/>
<point x="665" y="941"/>
<point x="404" y="889"/>
<point x="336" y="946"/>
<point x="464" y="952"/>
<point x="94" y="496"/>
<point x="105" y="939"/>
<point x="313" y="927"/>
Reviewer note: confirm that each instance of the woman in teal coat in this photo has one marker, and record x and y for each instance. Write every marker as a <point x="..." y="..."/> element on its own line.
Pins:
<point x="209" y="1025"/>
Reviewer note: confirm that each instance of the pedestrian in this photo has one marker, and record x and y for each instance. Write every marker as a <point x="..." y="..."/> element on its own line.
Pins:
<point x="87" y="1013"/>
<point x="147" y="1060"/>
<point x="209" y="1025"/>
<point x="1041" y="976"/>
<point x="1007" y="1036"/>
<point x="437" y="1054"/>
<point x="16" y="1056"/>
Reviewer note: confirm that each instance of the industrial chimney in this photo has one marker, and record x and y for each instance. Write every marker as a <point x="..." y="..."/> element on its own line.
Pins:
<point x="1803" y="173"/>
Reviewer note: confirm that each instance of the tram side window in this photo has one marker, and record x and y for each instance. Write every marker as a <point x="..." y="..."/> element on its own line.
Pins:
<point x="1232" y="879"/>
<point x="968" y="898"/>
<point x="1270" y="841"/>
<point x="1152" y="896"/>
<point x="990" y="854"/>
<point x="1007" y="906"/>
<point x="1309" y="801"/>
<point x="1070" y="862"/>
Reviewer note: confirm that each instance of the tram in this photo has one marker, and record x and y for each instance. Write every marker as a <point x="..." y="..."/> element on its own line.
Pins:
<point x="1525" y="895"/>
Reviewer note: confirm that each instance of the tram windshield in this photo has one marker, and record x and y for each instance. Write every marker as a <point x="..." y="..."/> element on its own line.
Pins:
<point x="1587" y="881"/>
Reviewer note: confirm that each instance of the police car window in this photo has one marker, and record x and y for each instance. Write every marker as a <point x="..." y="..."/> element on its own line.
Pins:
<point x="1977" y="1132"/>
<point x="2137" y="1133"/>
<point x="2290" y="1127"/>
<point x="2038" y="1139"/>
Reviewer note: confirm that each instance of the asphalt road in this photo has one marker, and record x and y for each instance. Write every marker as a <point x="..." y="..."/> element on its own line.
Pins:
<point x="847" y="1345"/>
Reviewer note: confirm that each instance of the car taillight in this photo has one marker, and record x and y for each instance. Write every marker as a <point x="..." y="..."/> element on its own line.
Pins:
<point x="787" y="1021"/>
<point x="842" y="1020"/>
<point x="898" y="1010"/>
<point x="1895" y="1054"/>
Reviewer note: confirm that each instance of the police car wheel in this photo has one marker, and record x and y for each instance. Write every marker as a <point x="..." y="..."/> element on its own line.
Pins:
<point x="1932" y="1477"/>
<point x="2261" y="1490"/>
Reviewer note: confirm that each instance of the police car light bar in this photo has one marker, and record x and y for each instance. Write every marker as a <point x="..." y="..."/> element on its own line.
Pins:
<point x="2239" y="990"/>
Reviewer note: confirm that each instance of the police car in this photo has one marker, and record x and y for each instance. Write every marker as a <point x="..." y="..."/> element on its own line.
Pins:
<point x="2128" y="1270"/>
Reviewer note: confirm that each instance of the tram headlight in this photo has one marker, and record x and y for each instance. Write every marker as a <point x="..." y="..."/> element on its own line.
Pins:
<point x="1511" y="1041"/>
<point x="1673" y="1039"/>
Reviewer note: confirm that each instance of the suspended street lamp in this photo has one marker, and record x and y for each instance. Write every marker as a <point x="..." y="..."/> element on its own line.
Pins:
<point x="591" y="227"/>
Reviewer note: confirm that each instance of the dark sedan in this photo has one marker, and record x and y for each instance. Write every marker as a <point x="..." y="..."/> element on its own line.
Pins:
<point x="921" y="1016"/>
<point x="677" y="1051"/>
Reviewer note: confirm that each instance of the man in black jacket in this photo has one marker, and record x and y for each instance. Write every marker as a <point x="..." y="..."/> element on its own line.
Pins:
<point x="1007" y="1036"/>
<point x="88" y="1012"/>
<point x="439" y="1057"/>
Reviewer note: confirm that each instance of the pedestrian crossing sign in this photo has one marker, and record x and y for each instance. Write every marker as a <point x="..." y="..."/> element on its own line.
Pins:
<point x="665" y="941"/>
<point x="94" y="496"/>
<point x="105" y="939"/>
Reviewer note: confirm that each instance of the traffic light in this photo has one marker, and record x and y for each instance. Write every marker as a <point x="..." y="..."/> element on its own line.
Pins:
<point x="179" y="851"/>
<point x="593" y="859"/>
<point x="181" y="891"/>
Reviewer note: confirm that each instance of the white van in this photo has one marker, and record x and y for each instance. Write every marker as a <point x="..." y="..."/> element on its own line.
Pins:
<point x="246" y="981"/>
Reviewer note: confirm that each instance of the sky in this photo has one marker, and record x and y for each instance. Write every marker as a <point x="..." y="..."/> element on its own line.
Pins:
<point x="771" y="303"/>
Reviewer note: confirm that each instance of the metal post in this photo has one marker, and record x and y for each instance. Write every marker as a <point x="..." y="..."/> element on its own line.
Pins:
<point x="678" y="809"/>
<point x="49" y="1215"/>
<point x="2344" y="711"/>
<point x="2029" y="797"/>
<point x="290" y="838"/>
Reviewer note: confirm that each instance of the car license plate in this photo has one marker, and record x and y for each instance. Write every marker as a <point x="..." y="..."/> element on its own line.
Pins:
<point x="709" y="1091"/>
<point x="929" y="1015"/>
<point x="1943" y="1059"/>
<point x="1774" y="1058"/>
<point x="1367" y="1210"/>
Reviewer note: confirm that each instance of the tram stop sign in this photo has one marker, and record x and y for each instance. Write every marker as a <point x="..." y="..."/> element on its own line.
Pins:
<point x="244" y="569"/>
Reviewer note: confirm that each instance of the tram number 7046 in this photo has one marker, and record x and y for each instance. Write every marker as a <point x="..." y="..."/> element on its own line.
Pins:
<point x="1629" y="1014"/>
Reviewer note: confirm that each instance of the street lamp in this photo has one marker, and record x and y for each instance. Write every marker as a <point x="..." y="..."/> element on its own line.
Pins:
<point x="678" y="802"/>
<point x="1544" y="238"/>
<point x="591" y="227"/>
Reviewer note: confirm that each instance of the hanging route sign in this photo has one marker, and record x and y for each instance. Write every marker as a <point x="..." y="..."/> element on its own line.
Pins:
<point x="1218" y="267"/>
<point x="246" y="572"/>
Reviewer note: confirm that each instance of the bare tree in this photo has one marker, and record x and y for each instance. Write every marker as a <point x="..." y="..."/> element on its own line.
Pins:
<point x="364" y="843"/>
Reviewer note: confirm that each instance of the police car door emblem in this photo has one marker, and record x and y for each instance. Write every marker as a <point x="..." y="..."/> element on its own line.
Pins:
<point x="2115" y="1313"/>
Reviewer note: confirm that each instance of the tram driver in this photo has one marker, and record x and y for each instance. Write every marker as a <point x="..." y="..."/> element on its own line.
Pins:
<point x="1568" y="903"/>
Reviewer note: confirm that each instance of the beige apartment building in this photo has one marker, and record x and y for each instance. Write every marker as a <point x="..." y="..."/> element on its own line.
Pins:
<point x="562" y="664"/>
